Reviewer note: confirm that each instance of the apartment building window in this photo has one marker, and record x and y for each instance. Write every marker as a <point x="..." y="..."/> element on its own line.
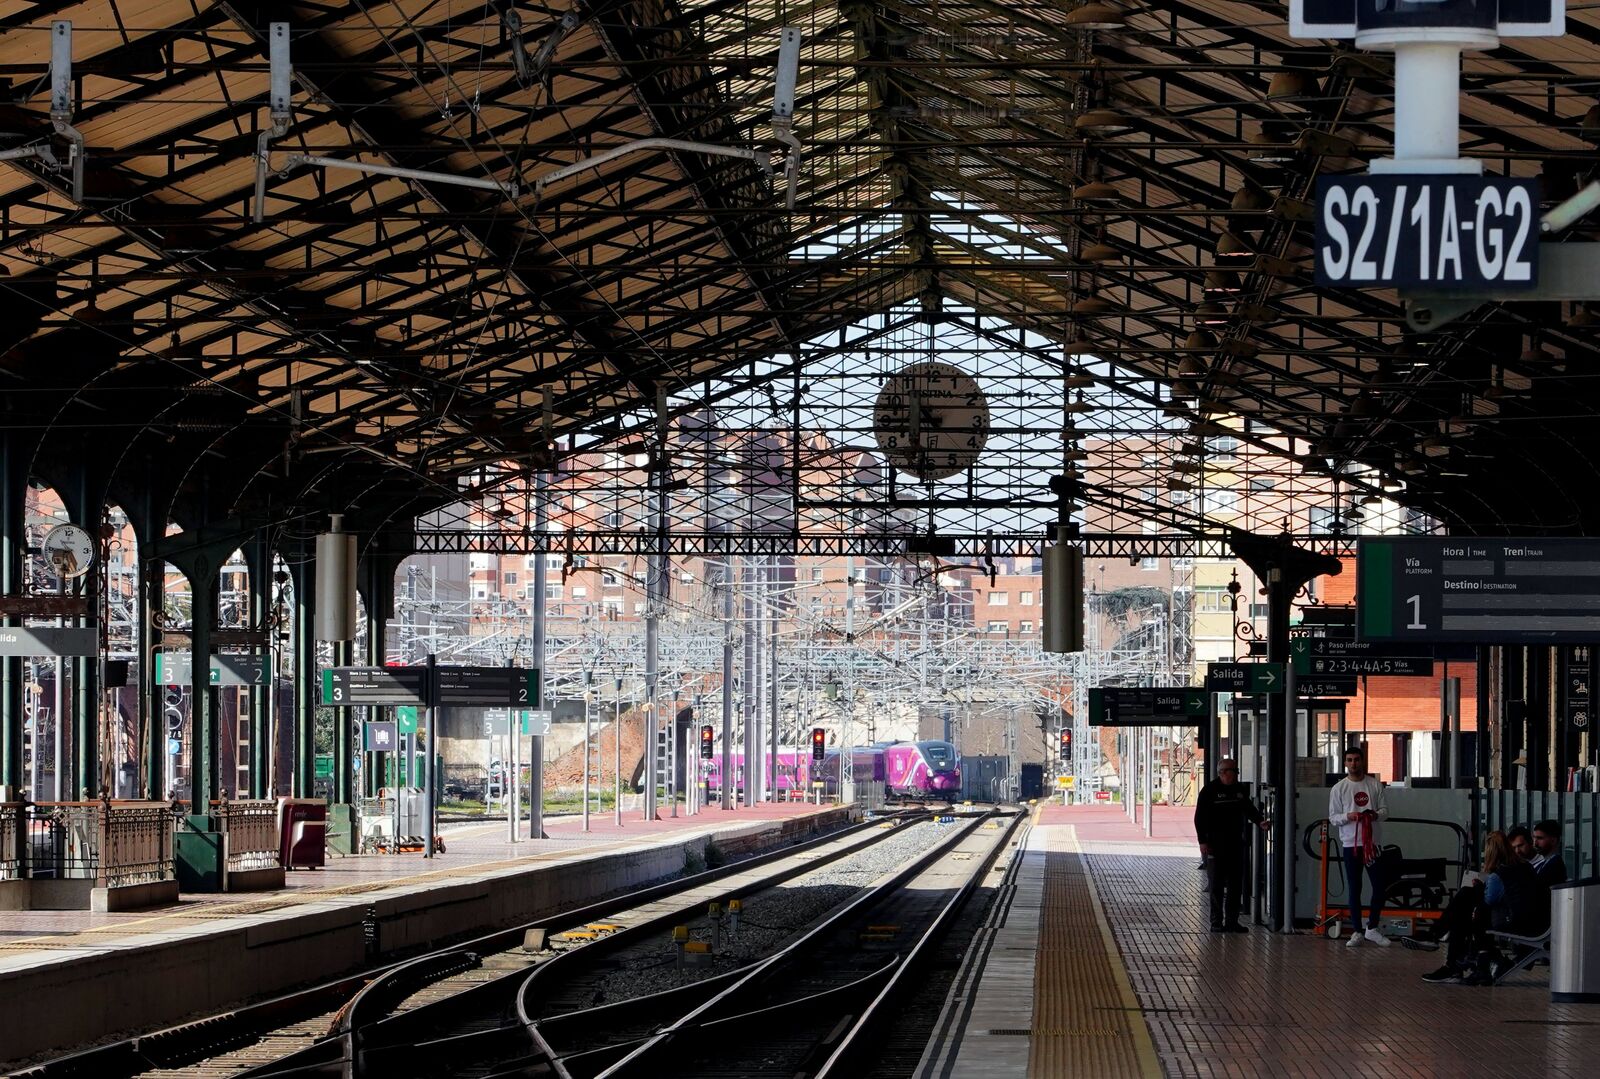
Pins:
<point x="609" y="579"/>
<point x="1025" y="599"/>
<point x="999" y="599"/>
<point x="1024" y="627"/>
<point x="999" y="627"/>
<point x="1222" y="446"/>
<point x="816" y="574"/>
<point x="1210" y="598"/>
<point x="1223" y="500"/>
<point x="1320" y="519"/>
<point x="1262" y="483"/>
<point x="552" y="591"/>
<point x="508" y="577"/>
<point x="1149" y="563"/>
<point x="480" y="592"/>
<point x="638" y="608"/>
<point x="580" y="592"/>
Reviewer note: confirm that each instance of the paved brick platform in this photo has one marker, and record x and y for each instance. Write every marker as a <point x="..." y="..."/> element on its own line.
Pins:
<point x="468" y="848"/>
<point x="1129" y="910"/>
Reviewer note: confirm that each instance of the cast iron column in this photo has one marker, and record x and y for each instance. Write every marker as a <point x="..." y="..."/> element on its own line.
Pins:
<point x="1286" y="569"/>
<point x="13" y="538"/>
<point x="303" y="575"/>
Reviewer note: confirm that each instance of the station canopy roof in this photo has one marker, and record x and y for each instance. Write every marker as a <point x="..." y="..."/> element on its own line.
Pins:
<point x="1132" y="181"/>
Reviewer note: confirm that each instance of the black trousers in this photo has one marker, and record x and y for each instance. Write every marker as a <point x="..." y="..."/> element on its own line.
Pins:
<point x="1226" y="868"/>
<point x="1466" y="920"/>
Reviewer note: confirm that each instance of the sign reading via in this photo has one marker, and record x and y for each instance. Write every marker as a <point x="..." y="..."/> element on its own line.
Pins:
<point x="1478" y="590"/>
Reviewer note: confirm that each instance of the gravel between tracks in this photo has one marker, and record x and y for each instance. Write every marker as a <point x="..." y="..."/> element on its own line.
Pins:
<point x="770" y="918"/>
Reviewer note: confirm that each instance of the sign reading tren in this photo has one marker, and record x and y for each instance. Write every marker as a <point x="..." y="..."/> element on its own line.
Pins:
<point x="1478" y="591"/>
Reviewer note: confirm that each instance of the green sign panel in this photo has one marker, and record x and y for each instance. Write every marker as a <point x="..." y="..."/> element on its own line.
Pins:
<point x="322" y="766"/>
<point x="1244" y="677"/>
<point x="405" y="718"/>
<point x="1139" y="706"/>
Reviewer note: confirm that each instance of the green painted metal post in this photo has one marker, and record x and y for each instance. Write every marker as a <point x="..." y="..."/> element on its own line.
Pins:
<point x="152" y="694"/>
<point x="258" y="560"/>
<point x="87" y="509"/>
<point x="306" y="684"/>
<point x="13" y="485"/>
<point x="344" y="745"/>
<point x="204" y="742"/>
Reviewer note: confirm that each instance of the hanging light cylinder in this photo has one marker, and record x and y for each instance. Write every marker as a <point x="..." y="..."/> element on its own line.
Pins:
<point x="1062" y="585"/>
<point x="336" y="583"/>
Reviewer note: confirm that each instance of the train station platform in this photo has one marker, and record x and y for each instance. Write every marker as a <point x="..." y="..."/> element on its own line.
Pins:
<point x="90" y="977"/>
<point x="1100" y="962"/>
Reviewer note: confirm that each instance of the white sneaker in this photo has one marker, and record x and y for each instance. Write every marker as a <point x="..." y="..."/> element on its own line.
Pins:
<point x="1377" y="938"/>
<point x="1355" y="940"/>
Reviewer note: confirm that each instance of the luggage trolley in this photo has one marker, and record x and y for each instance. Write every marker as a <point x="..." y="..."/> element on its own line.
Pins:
<point x="1414" y="888"/>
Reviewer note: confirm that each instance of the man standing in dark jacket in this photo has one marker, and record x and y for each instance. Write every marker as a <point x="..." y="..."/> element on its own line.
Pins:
<point x="1221" y="814"/>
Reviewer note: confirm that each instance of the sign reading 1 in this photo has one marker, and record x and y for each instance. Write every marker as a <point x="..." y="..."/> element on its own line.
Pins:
<point x="1439" y="231"/>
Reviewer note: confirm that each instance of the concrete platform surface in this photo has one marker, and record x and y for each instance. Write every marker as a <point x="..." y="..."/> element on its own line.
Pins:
<point x="1104" y="965"/>
<point x="90" y="976"/>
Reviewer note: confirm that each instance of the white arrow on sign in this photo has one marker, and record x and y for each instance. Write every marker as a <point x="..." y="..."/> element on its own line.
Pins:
<point x="1269" y="676"/>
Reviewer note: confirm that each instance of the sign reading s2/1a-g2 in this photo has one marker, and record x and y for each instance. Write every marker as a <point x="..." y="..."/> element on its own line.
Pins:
<point x="1427" y="231"/>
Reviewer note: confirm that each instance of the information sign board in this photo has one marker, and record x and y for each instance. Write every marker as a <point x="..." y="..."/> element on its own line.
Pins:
<point x="1244" y="677"/>
<point x="49" y="641"/>
<point x="1326" y="686"/>
<point x="537" y="722"/>
<point x="1331" y="656"/>
<point x="486" y="687"/>
<point x="405" y="718"/>
<point x="1477" y="590"/>
<point x="177" y="669"/>
<point x="380" y="736"/>
<point x="345" y="687"/>
<point x="1139" y="706"/>
<point x="1427" y="231"/>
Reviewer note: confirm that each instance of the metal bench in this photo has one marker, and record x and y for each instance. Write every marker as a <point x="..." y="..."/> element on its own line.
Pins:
<point x="1533" y="950"/>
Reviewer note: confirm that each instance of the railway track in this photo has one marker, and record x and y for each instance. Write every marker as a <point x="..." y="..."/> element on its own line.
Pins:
<point x="814" y="1007"/>
<point x="335" y="1028"/>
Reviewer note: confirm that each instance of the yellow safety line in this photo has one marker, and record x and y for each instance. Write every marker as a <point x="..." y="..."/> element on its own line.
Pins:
<point x="1144" y="1046"/>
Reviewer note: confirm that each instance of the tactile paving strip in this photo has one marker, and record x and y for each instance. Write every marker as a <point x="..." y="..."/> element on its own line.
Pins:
<point x="1086" y="1020"/>
<point x="1268" y="1004"/>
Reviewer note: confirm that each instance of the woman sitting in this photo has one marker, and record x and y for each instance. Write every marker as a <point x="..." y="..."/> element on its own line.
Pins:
<point x="1503" y="898"/>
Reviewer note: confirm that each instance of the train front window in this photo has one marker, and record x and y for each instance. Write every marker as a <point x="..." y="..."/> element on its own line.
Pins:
<point x="939" y="754"/>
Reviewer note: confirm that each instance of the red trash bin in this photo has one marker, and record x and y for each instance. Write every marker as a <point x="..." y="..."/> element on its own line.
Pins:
<point x="302" y="832"/>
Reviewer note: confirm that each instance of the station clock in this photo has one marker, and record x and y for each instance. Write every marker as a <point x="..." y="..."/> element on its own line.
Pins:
<point x="931" y="420"/>
<point x="69" y="550"/>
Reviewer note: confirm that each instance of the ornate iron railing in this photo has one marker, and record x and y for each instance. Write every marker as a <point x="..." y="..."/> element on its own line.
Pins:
<point x="111" y="843"/>
<point x="251" y="828"/>
<point x="13" y="866"/>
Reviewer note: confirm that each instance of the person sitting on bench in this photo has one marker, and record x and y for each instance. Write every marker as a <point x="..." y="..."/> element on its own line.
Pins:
<point x="1548" y="865"/>
<point x="1503" y="897"/>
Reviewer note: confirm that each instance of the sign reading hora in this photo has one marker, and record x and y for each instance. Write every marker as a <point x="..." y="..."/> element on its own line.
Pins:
<point x="1471" y="232"/>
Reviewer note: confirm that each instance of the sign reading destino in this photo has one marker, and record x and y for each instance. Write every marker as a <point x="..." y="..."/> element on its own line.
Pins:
<point x="1478" y="591"/>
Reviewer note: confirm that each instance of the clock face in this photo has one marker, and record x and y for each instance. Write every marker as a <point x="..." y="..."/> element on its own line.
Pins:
<point x="931" y="420"/>
<point x="69" y="550"/>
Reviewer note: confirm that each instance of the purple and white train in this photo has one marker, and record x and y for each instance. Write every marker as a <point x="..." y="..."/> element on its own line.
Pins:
<point x="908" y="770"/>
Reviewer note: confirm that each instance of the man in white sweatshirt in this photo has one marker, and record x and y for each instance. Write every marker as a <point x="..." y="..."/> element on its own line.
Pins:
<point x="1356" y="806"/>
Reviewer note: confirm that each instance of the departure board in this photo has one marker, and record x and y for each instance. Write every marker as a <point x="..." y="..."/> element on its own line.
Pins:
<point x="1479" y="591"/>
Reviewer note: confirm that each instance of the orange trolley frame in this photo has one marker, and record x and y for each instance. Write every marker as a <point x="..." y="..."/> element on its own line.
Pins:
<point x="1324" y="918"/>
